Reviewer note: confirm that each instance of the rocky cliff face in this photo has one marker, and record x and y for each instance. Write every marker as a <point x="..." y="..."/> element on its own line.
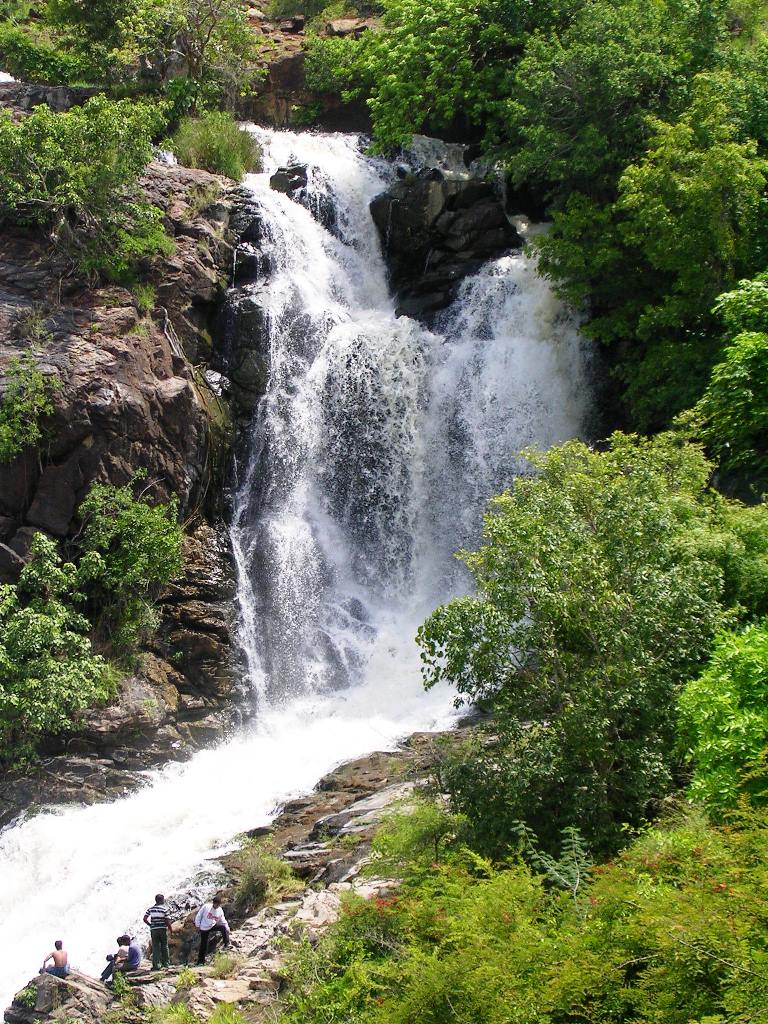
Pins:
<point x="133" y="395"/>
<point x="281" y="96"/>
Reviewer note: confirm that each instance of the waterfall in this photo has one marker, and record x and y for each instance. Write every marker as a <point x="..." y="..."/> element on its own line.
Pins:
<point x="368" y="463"/>
<point x="378" y="441"/>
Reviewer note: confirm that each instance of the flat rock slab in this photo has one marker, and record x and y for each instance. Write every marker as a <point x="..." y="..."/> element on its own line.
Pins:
<point x="363" y="814"/>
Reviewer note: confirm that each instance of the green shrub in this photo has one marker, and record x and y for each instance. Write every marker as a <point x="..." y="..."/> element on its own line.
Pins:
<point x="734" y="408"/>
<point x="48" y="670"/>
<point x="187" y="978"/>
<point x="262" y="876"/>
<point x="27" y="997"/>
<point x="215" y="142"/>
<point x="176" y="1013"/>
<point x="321" y="9"/>
<point x="202" y="197"/>
<point x="226" y="1013"/>
<point x="129" y="549"/>
<point x="671" y="932"/>
<point x="223" y="965"/>
<point x="14" y="10"/>
<point x="724" y="717"/>
<point x="32" y="58"/>
<point x="131" y="246"/>
<point x="146" y="297"/>
<point x="26" y="397"/>
<point x="74" y="174"/>
<point x="419" y="836"/>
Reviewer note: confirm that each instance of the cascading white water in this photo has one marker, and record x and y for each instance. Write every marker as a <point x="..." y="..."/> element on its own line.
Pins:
<point x="378" y="441"/>
<point x="371" y="458"/>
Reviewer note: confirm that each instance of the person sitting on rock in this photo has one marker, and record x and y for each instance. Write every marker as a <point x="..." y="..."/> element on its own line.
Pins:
<point x="127" y="958"/>
<point x="210" y="918"/>
<point x="60" y="966"/>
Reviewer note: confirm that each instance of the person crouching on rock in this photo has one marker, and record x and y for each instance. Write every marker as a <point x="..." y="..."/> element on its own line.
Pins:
<point x="210" y="918"/>
<point x="60" y="966"/>
<point x="159" y="928"/>
<point x="127" y="958"/>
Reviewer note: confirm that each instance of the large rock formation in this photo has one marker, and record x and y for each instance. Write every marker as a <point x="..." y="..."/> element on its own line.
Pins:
<point x="436" y="228"/>
<point x="132" y="395"/>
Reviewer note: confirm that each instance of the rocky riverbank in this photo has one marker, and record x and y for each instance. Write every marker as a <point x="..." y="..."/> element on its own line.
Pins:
<point x="325" y="838"/>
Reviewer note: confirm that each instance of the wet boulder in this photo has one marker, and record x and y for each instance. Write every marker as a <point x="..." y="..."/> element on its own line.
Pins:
<point x="289" y="179"/>
<point x="435" y="229"/>
<point x="246" y="346"/>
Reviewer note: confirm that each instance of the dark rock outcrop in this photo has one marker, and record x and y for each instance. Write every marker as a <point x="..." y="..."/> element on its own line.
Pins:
<point x="289" y="179"/>
<point x="435" y="230"/>
<point x="22" y="97"/>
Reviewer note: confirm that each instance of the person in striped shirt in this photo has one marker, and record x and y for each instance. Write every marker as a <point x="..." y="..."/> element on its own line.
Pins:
<point x="159" y="928"/>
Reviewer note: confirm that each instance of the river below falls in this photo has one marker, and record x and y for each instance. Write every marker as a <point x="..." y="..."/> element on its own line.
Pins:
<point x="87" y="874"/>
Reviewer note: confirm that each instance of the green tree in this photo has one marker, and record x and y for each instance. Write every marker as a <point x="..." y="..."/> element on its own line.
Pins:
<point x="732" y="415"/>
<point x="694" y="209"/>
<point x="582" y="95"/>
<point x="601" y="582"/>
<point x="724" y="717"/>
<point x="74" y="174"/>
<point x="116" y="35"/>
<point x="25" y="398"/>
<point x="433" y="64"/>
<point x="48" y="670"/>
<point x="129" y="550"/>
<point x="217" y="42"/>
<point x="688" y="220"/>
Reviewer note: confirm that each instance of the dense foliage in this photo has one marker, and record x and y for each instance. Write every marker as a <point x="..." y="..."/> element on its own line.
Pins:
<point x="62" y="619"/>
<point x="129" y="550"/>
<point x="48" y="669"/>
<point x="25" y="398"/>
<point x="30" y="55"/>
<point x="732" y="415"/>
<point x="315" y="10"/>
<point x="724" y="719"/>
<point x="215" y="142"/>
<point x="74" y="175"/>
<point x="640" y="128"/>
<point x="208" y="42"/>
<point x="669" y="933"/>
<point x="601" y="582"/>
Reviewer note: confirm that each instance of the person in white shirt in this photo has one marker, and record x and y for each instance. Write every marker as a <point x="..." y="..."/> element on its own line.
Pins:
<point x="209" y="919"/>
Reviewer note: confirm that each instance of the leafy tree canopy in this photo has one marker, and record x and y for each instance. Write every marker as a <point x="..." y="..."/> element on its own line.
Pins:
<point x="724" y="718"/>
<point x="74" y="174"/>
<point x="48" y="670"/>
<point x="732" y="415"/>
<point x="129" y="550"/>
<point x="61" y="613"/>
<point x="601" y="583"/>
